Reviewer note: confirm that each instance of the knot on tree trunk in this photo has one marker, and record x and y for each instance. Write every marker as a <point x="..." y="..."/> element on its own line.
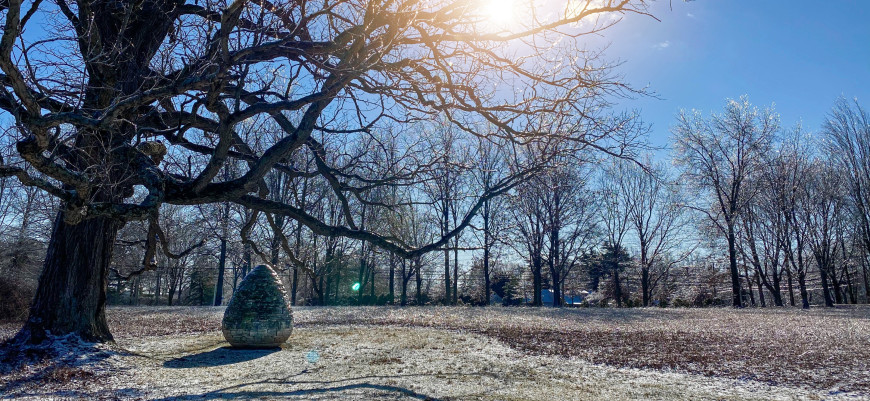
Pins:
<point x="156" y="150"/>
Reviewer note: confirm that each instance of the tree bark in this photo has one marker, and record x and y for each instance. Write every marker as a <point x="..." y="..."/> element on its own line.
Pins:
<point x="537" y="280"/>
<point x="802" y="283"/>
<point x="644" y="283"/>
<point x="71" y="297"/>
<point x="617" y="287"/>
<point x="760" y="290"/>
<point x="447" y="284"/>
<point x="838" y="291"/>
<point x="419" y="299"/>
<point x="372" y="282"/>
<point x="456" y="274"/>
<point x="219" y="286"/>
<point x="829" y="302"/>
<point x="487" y="286"/>
<point x="748" y="284"/>
<point x="392" y="299"/>
<point x="736" y="299"/>
<point x="360" y="277"/>
<point x="866" y="281"/>
<point x="405" y="278"/>
<point x="776" y="291"/>
<point x="850" y="291"/>
<point x="295" y="286"/>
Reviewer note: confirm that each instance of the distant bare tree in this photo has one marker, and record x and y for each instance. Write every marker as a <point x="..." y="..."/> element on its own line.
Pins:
<point x="848" y="130"/>
<point x="718" y="156"/>
<point x="489" y="166"/>
<point x="571" y="221"/>
<point x="655" y="212"/>
<point x="822" y="217"/>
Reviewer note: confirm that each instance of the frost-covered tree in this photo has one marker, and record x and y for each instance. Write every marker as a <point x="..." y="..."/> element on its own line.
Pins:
<point x="718" y="156"/>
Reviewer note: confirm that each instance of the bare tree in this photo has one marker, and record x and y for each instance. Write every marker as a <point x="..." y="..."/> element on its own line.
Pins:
<point x="489" y="167"/>
<point x="570" y="216"/>
<point x="719" y="155"/>
<point x="653" y="204"/>
<point x="529" y="232"/>
<point x="822" y="213"/>
<point x="848" y="130"/>
<point x="136" y="77"/>
<point x="615" y="220"/>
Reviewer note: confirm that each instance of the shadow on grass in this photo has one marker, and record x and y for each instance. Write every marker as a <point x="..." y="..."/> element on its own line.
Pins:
<point x="331" y="392"/>
<point x="329" y="389"/>
<point x="218" y="357"/>
<point x="60" y="362"/>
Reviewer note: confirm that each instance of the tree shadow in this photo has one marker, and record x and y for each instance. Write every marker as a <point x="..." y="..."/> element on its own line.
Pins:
<point x="334" y="391"/>
<point x="219" y="357"/>
<point x="331" y="389"/>
<point x="57" y="360"/>
<point x="319" y="389"/>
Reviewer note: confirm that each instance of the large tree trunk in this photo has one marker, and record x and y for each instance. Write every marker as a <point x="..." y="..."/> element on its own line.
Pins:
<point x="116" y="48"/>
<point x="71" y="297"/>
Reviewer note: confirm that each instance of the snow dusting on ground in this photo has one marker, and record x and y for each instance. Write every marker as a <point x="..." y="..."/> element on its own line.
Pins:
<point x="445" y="354"/>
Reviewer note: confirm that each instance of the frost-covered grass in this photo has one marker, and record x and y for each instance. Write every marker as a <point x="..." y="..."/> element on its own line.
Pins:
<point x="495" y="353"/>
<point x="819" y="349"/>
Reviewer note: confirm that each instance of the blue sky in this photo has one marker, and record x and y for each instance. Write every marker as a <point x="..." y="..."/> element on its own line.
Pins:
<point x="799" y="54"/>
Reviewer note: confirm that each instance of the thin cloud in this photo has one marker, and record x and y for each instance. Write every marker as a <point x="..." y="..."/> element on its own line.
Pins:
<point x="662" y="45"/>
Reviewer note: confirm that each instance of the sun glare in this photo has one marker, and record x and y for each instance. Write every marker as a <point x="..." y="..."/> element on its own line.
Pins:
<point x="499" y="13"/>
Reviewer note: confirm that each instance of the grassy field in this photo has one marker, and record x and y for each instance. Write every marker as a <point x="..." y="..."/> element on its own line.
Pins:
<point x="476" y="353"/>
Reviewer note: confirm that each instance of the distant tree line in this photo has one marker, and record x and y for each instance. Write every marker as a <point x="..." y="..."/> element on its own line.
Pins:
<point x="748" y="213"/>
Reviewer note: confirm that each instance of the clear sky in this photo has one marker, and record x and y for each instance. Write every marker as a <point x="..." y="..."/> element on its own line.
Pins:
<point x="799" y="54"/>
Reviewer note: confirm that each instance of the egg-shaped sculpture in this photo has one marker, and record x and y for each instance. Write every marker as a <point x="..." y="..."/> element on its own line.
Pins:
<point x="258" y="315"/>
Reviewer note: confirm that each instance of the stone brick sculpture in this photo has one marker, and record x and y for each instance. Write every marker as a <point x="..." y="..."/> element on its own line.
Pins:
<point x="258" y="315"/>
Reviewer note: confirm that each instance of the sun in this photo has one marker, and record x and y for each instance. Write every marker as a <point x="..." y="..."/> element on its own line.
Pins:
<point x="499" y="13"/>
